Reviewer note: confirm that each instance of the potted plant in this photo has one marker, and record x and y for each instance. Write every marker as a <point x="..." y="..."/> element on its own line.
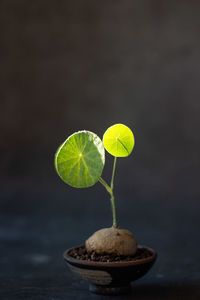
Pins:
<point x="110" y="258"/>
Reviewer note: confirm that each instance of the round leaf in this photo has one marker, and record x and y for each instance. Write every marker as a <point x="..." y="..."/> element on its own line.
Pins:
<point x="119" y="140"/>
<point x="80" y="160"/>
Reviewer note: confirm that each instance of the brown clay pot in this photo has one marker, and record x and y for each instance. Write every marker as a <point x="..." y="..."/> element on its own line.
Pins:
<point x="110" y="277"/>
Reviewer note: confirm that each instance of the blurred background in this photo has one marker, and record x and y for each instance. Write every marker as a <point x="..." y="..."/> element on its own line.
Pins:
<point x="73" y="65"/>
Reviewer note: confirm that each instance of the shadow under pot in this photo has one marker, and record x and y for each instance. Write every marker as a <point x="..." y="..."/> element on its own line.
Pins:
<point x="111" y="278"/>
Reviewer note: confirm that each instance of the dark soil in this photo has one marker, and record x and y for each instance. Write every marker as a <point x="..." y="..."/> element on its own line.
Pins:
<point x="82" y="254"/>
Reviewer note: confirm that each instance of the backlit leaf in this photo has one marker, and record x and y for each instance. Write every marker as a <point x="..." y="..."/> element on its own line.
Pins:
<point x="119" y="140"/>
<point x="80" y="160"/>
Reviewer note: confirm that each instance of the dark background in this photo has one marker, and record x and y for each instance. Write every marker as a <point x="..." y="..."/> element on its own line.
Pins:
<point x="72" y="65"/>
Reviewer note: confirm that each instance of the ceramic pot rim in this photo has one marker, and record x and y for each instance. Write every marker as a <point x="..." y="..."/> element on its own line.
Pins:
<point x="117" y="264"/>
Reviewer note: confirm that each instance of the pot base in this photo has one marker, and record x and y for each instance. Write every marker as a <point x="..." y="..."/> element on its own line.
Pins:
<point x="111" y="278"/>
<point x="108" y="290"/>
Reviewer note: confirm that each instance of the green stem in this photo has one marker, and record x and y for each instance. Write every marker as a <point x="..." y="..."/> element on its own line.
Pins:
<point x="110" y="191"/>
<point x="104" y="183"/>
<point x="112" y="199"/>
<point x="113" y="173"/>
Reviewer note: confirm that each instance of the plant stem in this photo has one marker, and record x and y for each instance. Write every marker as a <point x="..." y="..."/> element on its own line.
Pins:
<point x="104" y="183"/>
<point x="110" y="191"/>
<point x="112" y="199"/>
<point x="113" y="173"/>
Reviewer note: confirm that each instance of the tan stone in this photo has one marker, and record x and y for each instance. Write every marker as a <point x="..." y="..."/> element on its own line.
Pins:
<point x="112" y="241"/>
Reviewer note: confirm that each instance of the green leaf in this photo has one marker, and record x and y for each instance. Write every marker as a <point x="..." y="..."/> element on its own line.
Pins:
<point x="119" y="140"/>
<point x="80" y="160"/>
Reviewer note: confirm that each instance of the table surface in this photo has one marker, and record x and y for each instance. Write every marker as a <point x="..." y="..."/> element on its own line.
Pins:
<point x="32" y="265"/>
